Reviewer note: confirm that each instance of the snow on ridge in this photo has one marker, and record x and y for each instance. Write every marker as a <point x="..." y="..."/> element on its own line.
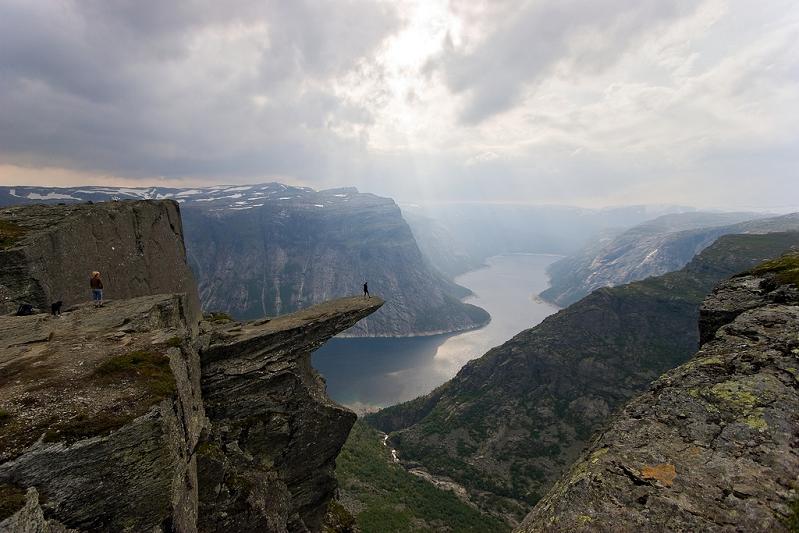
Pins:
<point x="190" y="192"/>
<point x="48" y="196"/>
<point x="318" y="205"/>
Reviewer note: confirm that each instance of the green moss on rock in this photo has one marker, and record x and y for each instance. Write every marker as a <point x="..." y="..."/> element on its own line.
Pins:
<point x="146" y="368"/>
<point x="12" y="499"/>
<point x="785" y="269"/>
<point x="174" y="342"/>
<point x="10" y="234"/>
<point x="218" y="317"/>
<point x="85" y="426"/>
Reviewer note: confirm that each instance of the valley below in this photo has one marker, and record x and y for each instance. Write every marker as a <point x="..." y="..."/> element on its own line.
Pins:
<point x="368" y="373"/>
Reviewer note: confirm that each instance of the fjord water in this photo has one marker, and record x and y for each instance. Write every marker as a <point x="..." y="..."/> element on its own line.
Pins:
<point x="368" y="373"/>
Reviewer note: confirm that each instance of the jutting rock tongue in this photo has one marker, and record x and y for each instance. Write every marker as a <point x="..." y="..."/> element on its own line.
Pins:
<point x="270" y="455"/>
<point x="103" y="417"/>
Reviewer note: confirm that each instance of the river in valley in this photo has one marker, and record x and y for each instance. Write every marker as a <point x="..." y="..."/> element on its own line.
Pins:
<point x="364" y="374"/>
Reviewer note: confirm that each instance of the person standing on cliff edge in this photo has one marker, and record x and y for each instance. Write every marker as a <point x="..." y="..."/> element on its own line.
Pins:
<point x="366" y="290"/>
<point x="97" y="289"/>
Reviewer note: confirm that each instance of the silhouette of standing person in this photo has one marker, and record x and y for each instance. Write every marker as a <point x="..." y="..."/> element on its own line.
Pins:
<point x="366" y="290"/>
<point x="97" y="289"/>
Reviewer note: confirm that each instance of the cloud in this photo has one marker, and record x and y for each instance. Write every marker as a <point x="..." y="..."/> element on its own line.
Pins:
<point x="529" y="39"/>
<point x="180" y="88"/>
<point x="565" y="101"/>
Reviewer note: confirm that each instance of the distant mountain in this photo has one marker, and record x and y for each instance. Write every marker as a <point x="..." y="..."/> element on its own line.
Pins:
<point x="510" y="422"/>
<point x="459" y="237"/>
<point x="271" y="249"/>
<point x="662" y="245"/>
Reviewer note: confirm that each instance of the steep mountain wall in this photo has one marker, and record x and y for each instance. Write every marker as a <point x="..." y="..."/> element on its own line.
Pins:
<point x="510" y="422"/>
<point x="140" y="416"/>
<point x="47" y="252"/>
<point x="711" y="446"/>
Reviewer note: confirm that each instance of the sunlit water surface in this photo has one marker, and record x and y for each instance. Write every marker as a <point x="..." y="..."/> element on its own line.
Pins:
<point x="368" y="373"/>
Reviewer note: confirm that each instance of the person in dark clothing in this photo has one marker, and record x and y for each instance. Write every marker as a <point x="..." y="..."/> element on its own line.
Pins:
<point x="97" y="289"/>
<point x="366" y="290"/>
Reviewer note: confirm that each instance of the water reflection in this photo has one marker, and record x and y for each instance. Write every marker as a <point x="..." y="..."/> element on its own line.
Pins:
<point x="367" y="373"/>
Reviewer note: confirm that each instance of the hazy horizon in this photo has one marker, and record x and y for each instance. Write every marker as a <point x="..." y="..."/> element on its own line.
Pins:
<point x="592" y="104"/>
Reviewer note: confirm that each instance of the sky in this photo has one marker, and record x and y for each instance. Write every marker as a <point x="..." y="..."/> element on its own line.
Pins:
<point x="594" y="102"/>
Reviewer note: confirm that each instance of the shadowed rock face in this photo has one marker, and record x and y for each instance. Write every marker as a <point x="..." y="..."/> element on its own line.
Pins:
<point x="49" y="252"/>
<point x="712" y="446"/>
<point x="270" y="454"/>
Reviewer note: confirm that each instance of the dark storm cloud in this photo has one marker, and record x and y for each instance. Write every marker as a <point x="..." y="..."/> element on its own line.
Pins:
<point x="528" y="39"/>
<point x="169" y="88"/>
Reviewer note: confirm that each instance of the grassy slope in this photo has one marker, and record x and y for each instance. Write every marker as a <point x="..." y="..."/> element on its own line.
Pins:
<point x="393" y="501"/>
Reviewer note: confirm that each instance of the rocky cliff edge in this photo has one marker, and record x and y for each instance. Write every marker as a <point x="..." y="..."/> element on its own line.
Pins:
<point x="138" y="416"/>
<point x="713" y="445"/>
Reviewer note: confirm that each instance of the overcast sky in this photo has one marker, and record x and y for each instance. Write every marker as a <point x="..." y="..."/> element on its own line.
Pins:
<point x="594" y="102"/>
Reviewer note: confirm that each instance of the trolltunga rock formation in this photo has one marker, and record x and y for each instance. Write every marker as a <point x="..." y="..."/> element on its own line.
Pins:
<point x="140" y="416"/>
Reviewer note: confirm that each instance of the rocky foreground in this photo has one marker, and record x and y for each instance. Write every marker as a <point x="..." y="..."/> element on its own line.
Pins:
<point x="712" y="446"/>
<point x="143" y="415"/>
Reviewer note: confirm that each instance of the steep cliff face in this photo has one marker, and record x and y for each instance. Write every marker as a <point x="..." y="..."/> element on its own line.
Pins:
<point x="137" y="416"/>
<point x="510" y="422"/>
<point x="662" y="245"/>
<point x="269" y="249"/>
<point x="47" y="252"/>
<point x="712" y="445"/>
<point x="275" y="435"/>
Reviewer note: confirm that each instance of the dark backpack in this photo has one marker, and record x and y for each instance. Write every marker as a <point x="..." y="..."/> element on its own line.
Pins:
<point x="25" y="310"/>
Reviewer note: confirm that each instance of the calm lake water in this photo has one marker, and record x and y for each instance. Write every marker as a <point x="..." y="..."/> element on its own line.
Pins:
<point x="368" y="373"/>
